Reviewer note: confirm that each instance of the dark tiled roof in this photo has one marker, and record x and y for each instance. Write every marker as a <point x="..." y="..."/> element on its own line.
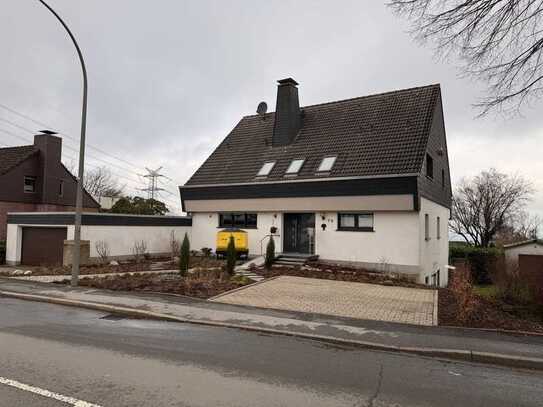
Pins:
<point x="376" y="135"/>
<point x="12" y="156"/>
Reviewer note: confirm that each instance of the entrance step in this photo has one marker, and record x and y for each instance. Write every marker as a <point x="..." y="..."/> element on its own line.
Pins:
<point x="294" y="259"/>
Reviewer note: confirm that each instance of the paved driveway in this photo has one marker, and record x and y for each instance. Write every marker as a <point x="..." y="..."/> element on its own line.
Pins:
<point x="339" y="298"/>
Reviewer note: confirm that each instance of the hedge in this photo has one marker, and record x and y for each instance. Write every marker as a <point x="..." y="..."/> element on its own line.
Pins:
<point x="481" y="260"/>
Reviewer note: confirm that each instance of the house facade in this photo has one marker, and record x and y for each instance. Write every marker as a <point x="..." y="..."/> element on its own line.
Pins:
<point x="33" y="179"/>
<point x="362" y="181"/>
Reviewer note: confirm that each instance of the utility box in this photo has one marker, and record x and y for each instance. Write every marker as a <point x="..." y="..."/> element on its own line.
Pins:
<point x="84" y="253"/>
<point x="241" y="241"/>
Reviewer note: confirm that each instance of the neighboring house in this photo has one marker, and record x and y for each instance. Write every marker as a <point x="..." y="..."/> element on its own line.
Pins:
<point x="363" y="181"/>
<point x="33" y="179"/>
<point x="513" y="250"/>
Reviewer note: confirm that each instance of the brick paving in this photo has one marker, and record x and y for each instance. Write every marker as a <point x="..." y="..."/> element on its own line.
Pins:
<point x="340" y="298"/>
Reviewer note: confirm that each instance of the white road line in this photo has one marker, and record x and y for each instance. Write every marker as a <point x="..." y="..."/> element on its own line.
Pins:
<point x="46" y="393"/>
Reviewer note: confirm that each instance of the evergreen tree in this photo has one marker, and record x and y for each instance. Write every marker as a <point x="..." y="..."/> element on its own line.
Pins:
<point x="270" y="253"/>
<point x="231" y="256"/>
<point x="184" y="257"/>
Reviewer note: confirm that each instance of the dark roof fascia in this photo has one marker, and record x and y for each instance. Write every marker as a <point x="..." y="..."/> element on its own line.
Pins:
<point x="524" y="243"/>
<point x="95" y="219"/>
<point x="309" y="188"/>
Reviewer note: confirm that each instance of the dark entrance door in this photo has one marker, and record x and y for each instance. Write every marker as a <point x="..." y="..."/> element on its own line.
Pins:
<point x="42" y="246"/>
<point x="299" y="233"/>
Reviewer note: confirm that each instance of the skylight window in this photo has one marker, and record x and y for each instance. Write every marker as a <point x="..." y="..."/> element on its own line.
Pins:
<point x="326" y="164"/>
<point x="295" y="166"/>
<point x="266" y="169"/>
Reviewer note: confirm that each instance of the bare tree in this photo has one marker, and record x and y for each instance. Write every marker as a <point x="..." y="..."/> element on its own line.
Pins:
<point x="498" y="42"/>
<point x="485" y="204"/>
<point x="100" y="182"/>
<point x="521" y="227"/>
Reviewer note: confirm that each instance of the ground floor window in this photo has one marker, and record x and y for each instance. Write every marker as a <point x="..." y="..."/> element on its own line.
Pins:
<point x="362" y="222"/>
<point x="238" y="220"/>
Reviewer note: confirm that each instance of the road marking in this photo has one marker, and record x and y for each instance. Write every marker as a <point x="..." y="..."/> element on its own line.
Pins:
<point x="46" y="393"/>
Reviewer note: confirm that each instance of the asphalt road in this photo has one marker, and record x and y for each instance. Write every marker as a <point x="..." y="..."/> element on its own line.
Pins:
<point x="80" y="355"/>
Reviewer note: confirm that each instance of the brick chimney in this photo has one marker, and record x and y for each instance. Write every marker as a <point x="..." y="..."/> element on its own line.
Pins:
<point x="288" y="118"/>
<point x="50" y="148"/>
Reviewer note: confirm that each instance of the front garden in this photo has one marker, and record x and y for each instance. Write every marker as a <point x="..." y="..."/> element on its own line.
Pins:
<point x="485" y="292"/>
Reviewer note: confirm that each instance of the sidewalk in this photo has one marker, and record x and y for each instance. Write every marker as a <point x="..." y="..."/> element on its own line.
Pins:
<point x="464" y="344"/>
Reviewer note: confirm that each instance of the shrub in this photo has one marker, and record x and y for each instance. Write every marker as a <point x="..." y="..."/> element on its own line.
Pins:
<point x="206" y="251"/>
<point x="139" y="250"/>
<point x="231" y="256"/>
<point x="102" y="249"/>
<point x="482" y="261"/>
<point x="184" y="256"/>
<point x="270" y="253"/>
<point x="2" y="251"/>
<point x="511" y="287"/>
<point x="461" y="286"/>
<point x="174" y="245"/>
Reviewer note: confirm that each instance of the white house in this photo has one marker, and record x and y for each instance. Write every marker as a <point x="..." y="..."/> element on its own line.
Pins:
<point x="363" y="180"/>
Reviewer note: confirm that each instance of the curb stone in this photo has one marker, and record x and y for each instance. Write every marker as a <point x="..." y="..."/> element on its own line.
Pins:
<point x="448" y="354"/>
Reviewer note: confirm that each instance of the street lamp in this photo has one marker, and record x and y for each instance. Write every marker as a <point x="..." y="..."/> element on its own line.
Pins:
<point x="79" y="194"/>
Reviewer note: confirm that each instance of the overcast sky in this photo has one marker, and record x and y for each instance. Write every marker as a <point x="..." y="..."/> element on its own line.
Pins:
<point x="168" y="79"/>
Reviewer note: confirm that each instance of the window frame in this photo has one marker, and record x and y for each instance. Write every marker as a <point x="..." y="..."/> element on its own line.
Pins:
<point x="258" y="174"/>
<point x="438" y="228"/>
<point x="356" y="227"/>
<point x="246" y="224"/>
<point x="33" y="179"/>
<point x="61" y="188"/>
<point x="291" y="164"/>
<point x="429" y="166"/>
<point x="442" y="178"/>
<point x="319" y="170"/>
<point x="426" y="227"/>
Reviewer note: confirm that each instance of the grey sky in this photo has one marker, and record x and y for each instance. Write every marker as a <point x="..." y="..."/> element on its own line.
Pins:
<point x="169" y="78"/>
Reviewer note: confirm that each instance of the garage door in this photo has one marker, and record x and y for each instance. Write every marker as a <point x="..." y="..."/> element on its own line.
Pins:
<point x="42" y="246"/>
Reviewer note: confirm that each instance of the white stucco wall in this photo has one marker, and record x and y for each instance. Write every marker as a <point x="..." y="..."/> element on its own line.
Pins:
<point x="121" y="239"/>
<point x="511" y="253"/>
<point x="393" y="243"/>
<point x="434" y="252"/>
<point x="205" y="226"/>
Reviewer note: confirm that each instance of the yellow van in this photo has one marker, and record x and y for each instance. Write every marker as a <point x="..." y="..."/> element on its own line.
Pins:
<point x="241" y="241"/>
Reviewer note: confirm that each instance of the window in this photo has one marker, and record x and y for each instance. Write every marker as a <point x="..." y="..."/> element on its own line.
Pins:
<point x="326" y="164"/>
<point x="266" y="169"/>
<point x="30" y="184"/>
<point x="429" y="166"/>
<point x="443" y="179"/>
<point x="61" y="188"/>
<point x="295" y="166"/>
<point x="356" y="221"/>
<point x="426" y="227"/>
<point x="438" y="228"/>
<point x="238" y="220"/>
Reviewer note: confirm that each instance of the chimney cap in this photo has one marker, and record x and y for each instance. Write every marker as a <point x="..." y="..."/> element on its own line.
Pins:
<point x="49" y="132"/>
<point x="287" y="81"/>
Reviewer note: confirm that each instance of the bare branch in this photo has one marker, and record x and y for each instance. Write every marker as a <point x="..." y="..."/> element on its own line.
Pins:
<point x="498" y="42"/>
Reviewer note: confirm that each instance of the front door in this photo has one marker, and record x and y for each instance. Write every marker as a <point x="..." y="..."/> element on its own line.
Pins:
<point x="299" y="233"/>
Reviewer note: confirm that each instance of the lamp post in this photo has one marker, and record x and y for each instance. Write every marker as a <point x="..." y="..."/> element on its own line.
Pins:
<point x="79" y="194"/>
